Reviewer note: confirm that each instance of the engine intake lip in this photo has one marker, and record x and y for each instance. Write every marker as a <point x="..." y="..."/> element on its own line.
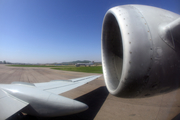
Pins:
<point x="112" y="52"/>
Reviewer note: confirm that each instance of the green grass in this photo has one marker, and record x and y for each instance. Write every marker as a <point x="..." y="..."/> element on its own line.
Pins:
<point x="92" y="69"/>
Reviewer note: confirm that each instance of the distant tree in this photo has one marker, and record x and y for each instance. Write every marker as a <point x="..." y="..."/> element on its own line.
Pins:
<point x="4" y="62"/>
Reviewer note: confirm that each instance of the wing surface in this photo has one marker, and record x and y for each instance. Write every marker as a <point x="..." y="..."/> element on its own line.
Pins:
<point x="9" y="105"/>
<point x="61" y="86"/>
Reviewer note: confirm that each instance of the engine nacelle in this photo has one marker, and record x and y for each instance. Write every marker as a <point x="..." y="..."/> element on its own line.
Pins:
<point x="140" y="51"/>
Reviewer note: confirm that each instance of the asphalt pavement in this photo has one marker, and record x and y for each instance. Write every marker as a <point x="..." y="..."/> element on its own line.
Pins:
<point x="102" y="105"/>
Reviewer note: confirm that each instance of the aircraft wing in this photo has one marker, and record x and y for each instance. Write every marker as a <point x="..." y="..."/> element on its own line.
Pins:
<point x="61" y="86"/>
<point x="17" y="95"/>
<point x="6" y="103"/>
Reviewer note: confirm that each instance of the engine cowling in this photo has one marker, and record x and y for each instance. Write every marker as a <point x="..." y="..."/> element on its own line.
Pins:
<point x="140" y="51"/>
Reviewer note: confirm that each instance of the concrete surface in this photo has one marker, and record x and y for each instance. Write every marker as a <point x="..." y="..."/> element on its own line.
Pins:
<point x="102" y="105"/>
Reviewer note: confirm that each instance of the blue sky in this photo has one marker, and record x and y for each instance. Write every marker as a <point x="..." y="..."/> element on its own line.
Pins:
<point x="46" y="31"/>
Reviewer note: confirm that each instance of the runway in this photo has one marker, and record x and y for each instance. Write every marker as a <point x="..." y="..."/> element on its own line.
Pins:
<point x="102" y="105"/>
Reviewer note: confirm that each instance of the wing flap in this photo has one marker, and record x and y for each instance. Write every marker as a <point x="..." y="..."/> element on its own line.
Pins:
<point x="61" y="86"/>
<point x="9" y="105"/>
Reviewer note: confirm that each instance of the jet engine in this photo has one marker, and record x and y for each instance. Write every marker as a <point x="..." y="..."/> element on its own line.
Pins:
<point x="140" y="51"/>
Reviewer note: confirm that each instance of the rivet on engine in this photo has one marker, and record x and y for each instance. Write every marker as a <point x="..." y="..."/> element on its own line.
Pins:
<point x="128" y="33"/>
<point x="129" y="62"/>
<point x="151" y="59"/>
<point x="129" y="42"/>
<point x="151" y="48"/>
<point x="124" y="18"/>
<point x="130" y="52"/>
<point x="145" y="23"/>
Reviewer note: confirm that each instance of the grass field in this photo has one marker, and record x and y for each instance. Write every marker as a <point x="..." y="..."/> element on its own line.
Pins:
<point x="92" y="69"/>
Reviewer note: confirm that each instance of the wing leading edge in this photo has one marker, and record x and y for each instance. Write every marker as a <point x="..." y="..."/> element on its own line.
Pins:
<point x="61" y="86"/>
